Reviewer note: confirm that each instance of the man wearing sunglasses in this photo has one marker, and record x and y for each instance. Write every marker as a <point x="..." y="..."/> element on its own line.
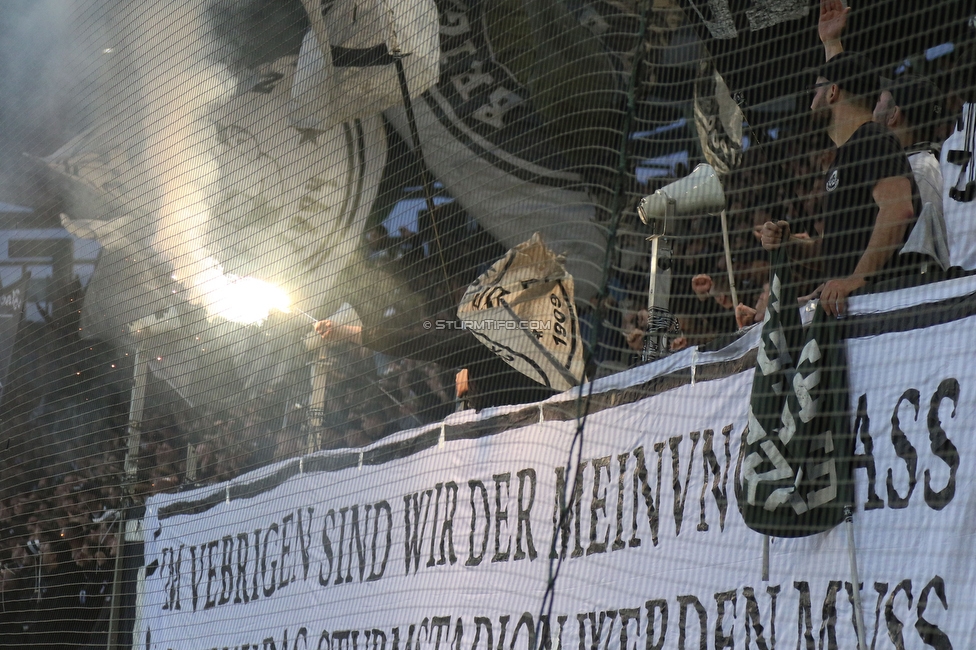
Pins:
<point x="870" y="198"/>
<point x="914" y="109"/>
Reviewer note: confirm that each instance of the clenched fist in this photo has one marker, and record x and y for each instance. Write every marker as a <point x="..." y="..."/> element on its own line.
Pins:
<point x="775" y="234"/>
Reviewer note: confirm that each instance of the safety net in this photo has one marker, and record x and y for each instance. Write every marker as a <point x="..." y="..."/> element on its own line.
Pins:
<point x="494" y="324"/>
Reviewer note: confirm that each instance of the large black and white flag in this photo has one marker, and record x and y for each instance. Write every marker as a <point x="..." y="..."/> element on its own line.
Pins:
<point x="347" y="65"/>
<point x="795" y="471"/>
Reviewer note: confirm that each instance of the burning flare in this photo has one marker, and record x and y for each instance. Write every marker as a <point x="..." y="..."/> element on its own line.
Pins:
<point x="243" y="300"/>
<point x="179" y="87"/>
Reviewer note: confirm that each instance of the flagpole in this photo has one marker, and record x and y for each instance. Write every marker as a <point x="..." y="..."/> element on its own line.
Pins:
<point x="728" y="260"/>
<point x="313" y="10"/>
<point x="415" y="147"/>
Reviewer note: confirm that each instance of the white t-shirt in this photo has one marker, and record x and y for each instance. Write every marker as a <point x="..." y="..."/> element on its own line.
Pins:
<point x="929" y="235"/>
<point x="960" y="217"/>
<point x="928" y="178"/>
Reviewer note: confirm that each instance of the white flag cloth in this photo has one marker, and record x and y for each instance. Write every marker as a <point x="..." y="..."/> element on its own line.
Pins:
<point x="522" y="309"/>
<point x="287" y="206"/>
<point x="355" y="73"/>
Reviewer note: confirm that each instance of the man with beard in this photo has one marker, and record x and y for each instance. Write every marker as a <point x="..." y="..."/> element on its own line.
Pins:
<point x="870" y="200"/>
<point x="911" y="106"/>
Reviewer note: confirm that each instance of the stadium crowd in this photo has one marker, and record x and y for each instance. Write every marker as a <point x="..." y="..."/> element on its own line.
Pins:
<point x="59" y="504"/>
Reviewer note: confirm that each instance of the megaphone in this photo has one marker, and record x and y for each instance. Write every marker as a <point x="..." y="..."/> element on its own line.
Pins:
<point x="697" y="193"/>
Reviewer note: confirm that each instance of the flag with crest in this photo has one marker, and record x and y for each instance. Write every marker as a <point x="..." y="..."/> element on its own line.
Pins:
<point x="794" y="477"/>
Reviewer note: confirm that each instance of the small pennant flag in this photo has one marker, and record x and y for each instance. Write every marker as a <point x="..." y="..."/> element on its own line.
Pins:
<point x="522" y="309"/>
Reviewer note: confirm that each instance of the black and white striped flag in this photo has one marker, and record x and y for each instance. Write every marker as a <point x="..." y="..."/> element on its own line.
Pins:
<point x="794" y="478"/>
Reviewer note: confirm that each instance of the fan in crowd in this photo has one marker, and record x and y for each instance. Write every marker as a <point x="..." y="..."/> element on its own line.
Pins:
<point x="914" y="109"/>
<point x="870" y="201"/>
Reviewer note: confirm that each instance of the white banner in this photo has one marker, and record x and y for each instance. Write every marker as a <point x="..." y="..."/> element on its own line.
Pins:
<point x="442" y="538"/>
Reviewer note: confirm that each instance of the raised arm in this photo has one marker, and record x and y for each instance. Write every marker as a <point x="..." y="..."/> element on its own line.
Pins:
<point x="833" y="21"/>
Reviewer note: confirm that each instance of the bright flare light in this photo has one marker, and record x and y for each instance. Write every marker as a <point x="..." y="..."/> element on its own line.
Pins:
<point x="244" y="300"/>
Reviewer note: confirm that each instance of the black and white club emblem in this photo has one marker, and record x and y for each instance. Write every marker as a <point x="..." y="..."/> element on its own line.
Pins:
<point x="832" y="181"/>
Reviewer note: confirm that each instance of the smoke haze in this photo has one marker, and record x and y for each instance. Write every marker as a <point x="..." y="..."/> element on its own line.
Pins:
<point x="49" y="80"/>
